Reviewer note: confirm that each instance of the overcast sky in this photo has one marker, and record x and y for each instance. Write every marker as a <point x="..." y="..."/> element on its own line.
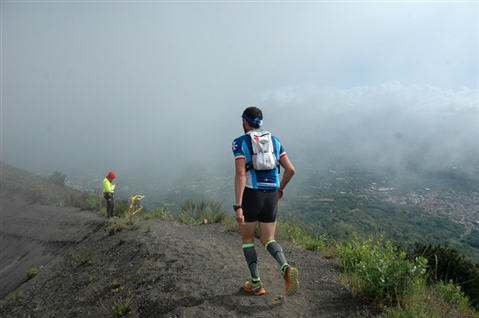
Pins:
<point x="162" y="85"/>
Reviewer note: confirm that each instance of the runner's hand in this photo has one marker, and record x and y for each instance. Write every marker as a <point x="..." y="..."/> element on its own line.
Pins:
<point x="280" y="193"/>
<point x="240" y="217"/>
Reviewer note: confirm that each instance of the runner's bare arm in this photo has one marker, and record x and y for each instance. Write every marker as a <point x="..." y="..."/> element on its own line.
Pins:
<point x="240" y="182"/>
<point x="288" y="173"/>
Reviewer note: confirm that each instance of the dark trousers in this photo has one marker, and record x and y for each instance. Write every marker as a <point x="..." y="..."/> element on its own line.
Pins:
<point x="110" y="205"/>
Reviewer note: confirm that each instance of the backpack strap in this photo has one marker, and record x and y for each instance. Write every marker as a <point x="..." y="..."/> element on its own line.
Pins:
<point x="249" y="165"/>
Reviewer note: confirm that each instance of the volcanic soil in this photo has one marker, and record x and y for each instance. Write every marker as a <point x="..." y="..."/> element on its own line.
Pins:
<point x="91" y="267"/>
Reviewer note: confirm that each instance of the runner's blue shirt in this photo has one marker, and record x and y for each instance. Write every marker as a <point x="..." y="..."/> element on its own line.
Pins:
<point x="258" y="179"/>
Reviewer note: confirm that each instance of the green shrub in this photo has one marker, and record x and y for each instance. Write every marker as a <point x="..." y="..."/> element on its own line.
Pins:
<point x="447" y="264"/>
<point x="453" y="295"/>
<point x="57" y="178"/>
<point x="379" y="273"/>
<point x="161" y="213"/>
<point x="290" y="231"/>
<point x="122" y="208"/>
<point x="216" y="214"/>
<point x="122" y="308"/>
<point x="313" y="243"/>
<point x="293" y="231"/>
<point x="92" y="204"/>
<point x="198" y="212"/>
<point x="439" y="300"/>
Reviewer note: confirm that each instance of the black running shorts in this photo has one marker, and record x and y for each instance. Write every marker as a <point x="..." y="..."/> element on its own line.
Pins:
<point x="260" y="205"/>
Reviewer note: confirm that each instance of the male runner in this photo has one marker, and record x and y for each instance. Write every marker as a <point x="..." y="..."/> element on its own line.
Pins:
<point x="256" y="203"/>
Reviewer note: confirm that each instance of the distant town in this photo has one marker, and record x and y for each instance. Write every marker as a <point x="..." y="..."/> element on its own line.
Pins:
<point x="454" y="199"/>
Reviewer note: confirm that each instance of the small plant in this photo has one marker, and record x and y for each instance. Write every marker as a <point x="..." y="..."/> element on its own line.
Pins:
<point x="217" y="214"/>
<point x="231" y="225"/>
<point x="118" y="227"/>
<point x="115" y="284"/>
<point x="186" y="218"/>
<point x="86" y="261"/>
<point x="122" y="308"/>
<point x="32" y="272"/>
<point x="136" y="227"/>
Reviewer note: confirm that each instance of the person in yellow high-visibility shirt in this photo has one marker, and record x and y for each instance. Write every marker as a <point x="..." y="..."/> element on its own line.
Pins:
<point x="109" y="194"/>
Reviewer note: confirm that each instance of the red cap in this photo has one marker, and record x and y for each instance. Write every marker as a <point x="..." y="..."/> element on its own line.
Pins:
<point x="111" y="176"/>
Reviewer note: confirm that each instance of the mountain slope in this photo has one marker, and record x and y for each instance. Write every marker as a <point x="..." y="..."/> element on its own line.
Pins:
<point x="158" y="268"/>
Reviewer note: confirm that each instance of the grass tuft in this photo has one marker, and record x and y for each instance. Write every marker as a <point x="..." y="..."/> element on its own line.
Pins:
<point x="32" y="272"/>
<point x="194" y="213"/>
<point x="122" y="308"/>
<point x="118" y="227"/>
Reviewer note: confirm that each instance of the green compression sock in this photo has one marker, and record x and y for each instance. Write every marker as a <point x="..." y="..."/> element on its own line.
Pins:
<point x="277" y="252"/>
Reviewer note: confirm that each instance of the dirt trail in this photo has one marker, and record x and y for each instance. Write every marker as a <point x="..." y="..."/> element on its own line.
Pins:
<point x="167" y="269"/>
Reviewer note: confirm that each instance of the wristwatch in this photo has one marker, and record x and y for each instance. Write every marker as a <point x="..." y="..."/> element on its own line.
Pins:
<point x="236" y="207"/>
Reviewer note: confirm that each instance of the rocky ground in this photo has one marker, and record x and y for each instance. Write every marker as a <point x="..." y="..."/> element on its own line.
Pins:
<point x="156" y="268"/>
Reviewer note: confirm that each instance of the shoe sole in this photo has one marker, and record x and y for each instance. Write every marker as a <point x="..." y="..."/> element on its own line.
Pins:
<point x="260" y="292"/>
<point x="292" y="277"/>
<point x="256" y="293"/>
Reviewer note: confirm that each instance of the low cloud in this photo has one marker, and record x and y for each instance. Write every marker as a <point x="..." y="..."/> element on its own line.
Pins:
<point x="388" y="124"/>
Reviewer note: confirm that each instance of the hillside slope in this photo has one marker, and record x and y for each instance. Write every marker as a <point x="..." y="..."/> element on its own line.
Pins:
<point x="158" y="268"/>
